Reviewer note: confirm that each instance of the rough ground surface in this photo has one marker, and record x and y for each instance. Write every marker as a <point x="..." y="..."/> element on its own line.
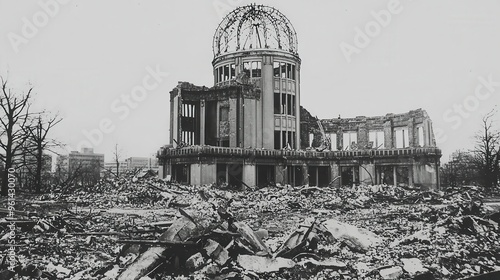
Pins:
<point x="422" y="235"/>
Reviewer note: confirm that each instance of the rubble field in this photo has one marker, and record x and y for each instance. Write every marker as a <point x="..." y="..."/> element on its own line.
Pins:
<point x="146" y="228"/>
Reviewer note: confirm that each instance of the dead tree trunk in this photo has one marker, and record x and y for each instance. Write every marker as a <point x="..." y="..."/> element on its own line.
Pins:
<point x="13" y="119"/>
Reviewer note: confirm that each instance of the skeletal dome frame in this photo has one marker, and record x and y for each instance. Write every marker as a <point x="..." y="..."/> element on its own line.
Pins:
<point x="254" y="27"/>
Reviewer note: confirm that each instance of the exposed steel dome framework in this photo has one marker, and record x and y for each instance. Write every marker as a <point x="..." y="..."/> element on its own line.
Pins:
<point x="254" y="27"/>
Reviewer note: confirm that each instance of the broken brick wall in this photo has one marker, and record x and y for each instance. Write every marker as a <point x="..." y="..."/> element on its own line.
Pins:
<point x="308" y="124"/>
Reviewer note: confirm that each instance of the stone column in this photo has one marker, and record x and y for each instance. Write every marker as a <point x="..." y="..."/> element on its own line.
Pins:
<point x="233" y="125"/>
<point x="267" y="103"/>
<point x="411" y="134"/>
<point x="250" y="122"/>
<point x="195" y="174"/>
<point x="202" y="122"/>
<point x="362" y="136"/>
<point x="335" y="172"/>
<point x="249" y="174"/>
<point x="388" y="139"/>
<point x="208" y="173"/>
<point x="394" y="172"/>
<point x="305" y="174"/>
<point x="297" y="106"/>
<point x="280" y="174"/>
<point x="365" y="171"/>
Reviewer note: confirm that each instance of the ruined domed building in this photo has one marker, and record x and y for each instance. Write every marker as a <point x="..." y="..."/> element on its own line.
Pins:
<point x="249" y="128"/>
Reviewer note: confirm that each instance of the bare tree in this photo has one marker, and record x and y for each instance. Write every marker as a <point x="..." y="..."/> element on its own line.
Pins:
<point x="15" y="115"/>
<point x="38" y="143"/>
<point x="487" y="152"/>
<point x="87" y="173"/>
<point x="117" y="156"/>
<point x="460" y="170"/>
<point x="63" y="177"/>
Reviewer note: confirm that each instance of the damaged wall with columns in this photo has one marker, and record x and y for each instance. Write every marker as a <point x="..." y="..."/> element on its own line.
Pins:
<point x="414" y="130"/>
<point x="362" y="126"/>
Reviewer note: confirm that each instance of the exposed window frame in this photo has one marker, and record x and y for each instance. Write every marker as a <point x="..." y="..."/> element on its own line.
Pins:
<point x="379" y="138"/>
<point x="403" y="131"/>
<point x="351" y="140"/>
<point x="421" y="136"/>
<point x="333" y="142"/>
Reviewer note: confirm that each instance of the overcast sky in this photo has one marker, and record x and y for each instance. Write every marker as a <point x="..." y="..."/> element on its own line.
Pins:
<point x="359" y="58"/>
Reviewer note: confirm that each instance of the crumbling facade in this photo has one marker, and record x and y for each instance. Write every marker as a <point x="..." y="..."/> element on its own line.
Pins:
<point x="249" y="128"/>
<point x="401" y="147"/>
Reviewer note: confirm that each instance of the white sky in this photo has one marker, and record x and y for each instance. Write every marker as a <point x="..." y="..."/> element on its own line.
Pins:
<point x="430" y="55"/>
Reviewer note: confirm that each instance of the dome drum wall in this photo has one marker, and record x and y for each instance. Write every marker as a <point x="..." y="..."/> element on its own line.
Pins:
<point x="227" y="67"/>
<point x="277" y="74"/>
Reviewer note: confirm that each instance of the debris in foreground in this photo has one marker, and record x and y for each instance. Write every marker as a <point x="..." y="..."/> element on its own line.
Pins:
<point x="278" y="232"/>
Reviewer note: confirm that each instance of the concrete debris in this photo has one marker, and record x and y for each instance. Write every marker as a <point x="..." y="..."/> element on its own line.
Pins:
<point x="251" y="239"/>
<point x="182" y="229"/>
<point x="413" y="266"/>
<point x="362" y="268"/>
<point x="301" y="239"/>
<point x="261" y="264"/>
<point x="215" y="251"/>
<point x="195" y="262"/>
<point x="328" y="263"/>
<point x="422" y="236"/>
<point x="262" y="233"/>
<point x="356" y="238"/>
<point x="394" y="272"/>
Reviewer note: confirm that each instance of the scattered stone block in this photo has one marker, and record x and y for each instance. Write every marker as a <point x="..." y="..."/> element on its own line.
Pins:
<point x="261" y="264"/>
<point x="356" y="238"/>
<point x="413" y="266"/>
<point x="195" y="262"/>
<point x="215" y="251"/>
<point x="391" y="273"/>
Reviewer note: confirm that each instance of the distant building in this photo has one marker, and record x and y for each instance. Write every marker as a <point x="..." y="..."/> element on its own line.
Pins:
<point x="47" y="163"/>
<point x="142" y="162"/>
<point x="86" y="158"/>
<point x="85" y="166"/>
<point x="153" y="164"/>
<point x="137" y="162"/>
<point x="132" y="163"/>
<point x="111" y="167"/>
<point x="62" y="163"/>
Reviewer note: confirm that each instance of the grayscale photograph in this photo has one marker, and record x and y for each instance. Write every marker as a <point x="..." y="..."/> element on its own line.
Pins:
<point x="234" y="139"/>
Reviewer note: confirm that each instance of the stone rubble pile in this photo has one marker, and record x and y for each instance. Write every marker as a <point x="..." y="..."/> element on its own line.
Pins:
<point x="146" y="228"/>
